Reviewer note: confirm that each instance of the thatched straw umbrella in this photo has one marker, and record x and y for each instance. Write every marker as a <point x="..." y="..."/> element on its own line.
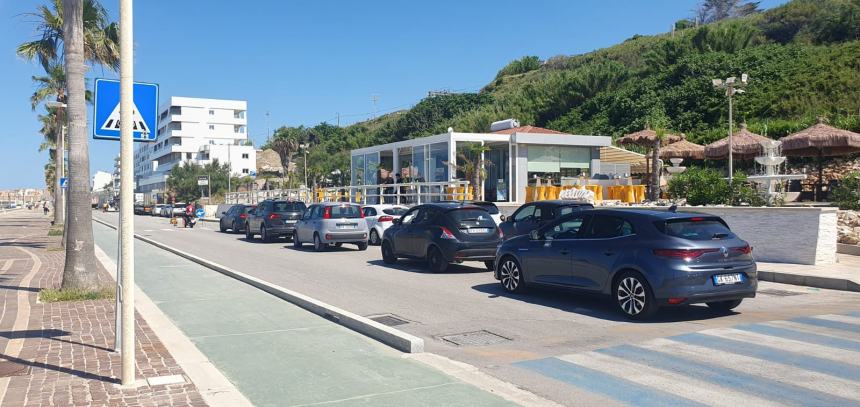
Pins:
<point x="745" y="145"/>
<point x="683" y="149"/>
<point x="819" y="141"/>
<point x="648" y="138"/>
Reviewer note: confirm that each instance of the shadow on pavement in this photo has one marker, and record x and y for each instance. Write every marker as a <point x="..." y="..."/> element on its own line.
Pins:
<point x="420" y="266"/>
<point x="597" y="306"/>
<point x="78" y="373"/>
<point x="52" y="334"/>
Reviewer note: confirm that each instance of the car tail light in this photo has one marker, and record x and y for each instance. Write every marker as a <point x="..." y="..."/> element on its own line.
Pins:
<point x="685" y="254"/>
<point x="327" y="213"/>
<point x="743" y="249"/>
<point x="385" y="219"/>
<point x="274" y="216"/>
<point x="243" y="216"/>
<point x="446" y="234"/>
<point x="361" y="212"/>
<point x="696" y="219"/>
<point x="676" y="301"/>
<point x="327" y="236"/>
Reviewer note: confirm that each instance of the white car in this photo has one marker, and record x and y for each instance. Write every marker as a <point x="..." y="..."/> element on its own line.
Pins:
<point x="379" y="218"/>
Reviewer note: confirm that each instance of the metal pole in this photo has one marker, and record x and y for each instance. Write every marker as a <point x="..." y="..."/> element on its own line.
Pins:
<point x="126" y="77"/>
<point x="117" y="340"/>
<point x="730" y="90"/>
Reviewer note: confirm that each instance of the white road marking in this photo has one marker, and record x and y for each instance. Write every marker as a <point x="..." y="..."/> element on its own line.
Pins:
<point x="789" y="345"/>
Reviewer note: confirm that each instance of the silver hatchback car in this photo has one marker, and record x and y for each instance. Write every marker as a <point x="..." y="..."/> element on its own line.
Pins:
<point x="330" y="223"/>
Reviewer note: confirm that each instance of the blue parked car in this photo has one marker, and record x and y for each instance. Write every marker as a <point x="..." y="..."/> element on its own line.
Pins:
<point x="643" y="259"/>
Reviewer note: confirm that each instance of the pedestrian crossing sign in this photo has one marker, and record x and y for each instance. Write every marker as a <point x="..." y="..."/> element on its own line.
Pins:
<point x="106" y="110"/>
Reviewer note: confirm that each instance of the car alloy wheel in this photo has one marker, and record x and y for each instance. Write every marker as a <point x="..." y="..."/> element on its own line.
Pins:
<point x="388" y="256"/>
<point x="263" y="235"/>
<point x="221" y="227"/>
<point x="296" y="242"/>
<point x="233" y="226"/>
<point x="435" y="261"/>
<point x="318" y="244"/>
<point x="248" y="234"/>
<point x="374" y="237"/>
<point x="510" y="275"/>
<point x="631" y="295"/>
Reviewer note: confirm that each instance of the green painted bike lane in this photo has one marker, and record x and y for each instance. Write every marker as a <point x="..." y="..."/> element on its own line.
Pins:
<point x="278" y="354"/>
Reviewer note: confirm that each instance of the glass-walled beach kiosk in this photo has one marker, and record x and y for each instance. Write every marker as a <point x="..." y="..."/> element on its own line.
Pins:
<point x="437" y="167"/>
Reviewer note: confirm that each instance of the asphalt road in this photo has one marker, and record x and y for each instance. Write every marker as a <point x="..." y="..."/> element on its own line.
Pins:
<point x="527" y="328"/>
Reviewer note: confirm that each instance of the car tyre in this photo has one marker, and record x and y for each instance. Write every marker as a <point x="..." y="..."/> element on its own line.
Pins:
<point x="490" y="265"/>
<point x="234" y="227"/>
<point x="388" y="256"/>
<point x="634" y="297"/>
<point x="338" y="244"/>
<point x="296" y="242"/>
<point x="724" y="306"/>
<point x="248" y="234"/>
<point x="221" y="227"/>
<point x="511" y="275"/>
<point x="264" y="235"/>
<point x="362" y="246"/>
<point x="435" y="261"/>
<point x="318" y="244"/>
<point x="374" y="237"/>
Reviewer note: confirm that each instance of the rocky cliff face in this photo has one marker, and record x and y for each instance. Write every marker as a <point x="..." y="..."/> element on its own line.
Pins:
<point x="848" y="228"/>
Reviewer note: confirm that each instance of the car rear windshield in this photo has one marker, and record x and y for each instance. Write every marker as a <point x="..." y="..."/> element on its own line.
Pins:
<point x="395" y="211"/>
<point x="708" y="228"/>
<point x="567" y="210"/>
<point x="345" y="211"/>
<point x="289" y="207"/>
<point x="490" y="207"/>
<point x="472" y="218"/>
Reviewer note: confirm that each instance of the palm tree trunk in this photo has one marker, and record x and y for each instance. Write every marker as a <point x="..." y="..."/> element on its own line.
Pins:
<point x="655" y="171"/>
<point x="80" y="269"/>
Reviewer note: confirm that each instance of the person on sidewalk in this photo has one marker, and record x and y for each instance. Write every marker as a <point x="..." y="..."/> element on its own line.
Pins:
<point x="45" y="207"/>
<point x="189" y="212"/>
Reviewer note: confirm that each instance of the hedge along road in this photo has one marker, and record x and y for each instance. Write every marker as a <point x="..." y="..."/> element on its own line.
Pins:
<point x="530" y="326"/>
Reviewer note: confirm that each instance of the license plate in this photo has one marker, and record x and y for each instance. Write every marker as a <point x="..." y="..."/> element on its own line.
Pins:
<point x="723" y="279"/>
<point x="346" y="226"/>
<point x="477" y="231"/>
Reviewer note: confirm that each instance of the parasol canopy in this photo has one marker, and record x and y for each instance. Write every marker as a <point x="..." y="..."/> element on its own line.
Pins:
<point x="821" y="139"/>
<point x="745" y="145"/>
<point x="683" y="149"/>
<point x="646" y="138"/>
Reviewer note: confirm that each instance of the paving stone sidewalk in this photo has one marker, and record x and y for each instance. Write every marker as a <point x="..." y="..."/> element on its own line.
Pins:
<point x="59" y="354"/>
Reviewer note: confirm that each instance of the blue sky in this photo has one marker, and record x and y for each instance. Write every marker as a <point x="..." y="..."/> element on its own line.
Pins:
<point x="306" y="61"/>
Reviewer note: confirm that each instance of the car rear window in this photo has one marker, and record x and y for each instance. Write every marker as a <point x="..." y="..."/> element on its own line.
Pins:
<point x="567" y="210"/>
<point x="472" y="218"/>
<point x="247" y="209"/>
<point x="490" y="207"/>
<point x="345" y="211"/>
<point x="395" y="211"/>
<point x="699" y="228"/>
<point x="288" y="207"/>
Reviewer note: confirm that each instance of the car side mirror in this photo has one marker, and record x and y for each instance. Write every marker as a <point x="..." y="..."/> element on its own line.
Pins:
<point x="397" y="221"/>
<point x="534" y="235"/>
<point x="223" y="213"/>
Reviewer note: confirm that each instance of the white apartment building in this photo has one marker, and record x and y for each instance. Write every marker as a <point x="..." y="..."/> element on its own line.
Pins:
<point x="198" y="131"/>
<point x="100" y="179"/>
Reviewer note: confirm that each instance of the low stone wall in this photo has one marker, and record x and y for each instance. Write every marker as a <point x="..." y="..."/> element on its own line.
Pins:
<point x="849" y="227"/>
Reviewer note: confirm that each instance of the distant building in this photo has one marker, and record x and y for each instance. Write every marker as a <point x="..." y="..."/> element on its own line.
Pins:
<point x="197" y="131"/>
<point x="100" y="179"/>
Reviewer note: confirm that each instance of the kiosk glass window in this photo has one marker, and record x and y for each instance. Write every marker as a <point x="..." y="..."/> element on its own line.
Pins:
<point x="551" y="163"/>
<point x="418" y="172"/>
<point x="437" y="170"/>
<point x="357" y="170"/>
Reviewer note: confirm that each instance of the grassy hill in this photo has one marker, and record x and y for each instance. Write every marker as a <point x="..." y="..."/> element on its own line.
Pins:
<point x="803" y="59"/>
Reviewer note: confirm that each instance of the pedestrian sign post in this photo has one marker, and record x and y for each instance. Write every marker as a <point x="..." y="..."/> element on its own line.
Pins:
<point x="106" y="110"/>
<point x="199" y="213"/>
<point x="64" y="182"/>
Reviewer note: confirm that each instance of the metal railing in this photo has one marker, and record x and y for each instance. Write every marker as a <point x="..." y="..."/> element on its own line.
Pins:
<point x="409" y="193"/>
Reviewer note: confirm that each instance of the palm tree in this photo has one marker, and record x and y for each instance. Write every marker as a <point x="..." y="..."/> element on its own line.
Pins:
<point x="52" y="85"/>
<point x="473" y="166"/>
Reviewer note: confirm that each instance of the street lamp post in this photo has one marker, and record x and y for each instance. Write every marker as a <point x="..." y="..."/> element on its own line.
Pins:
<point x="732" y="86"/>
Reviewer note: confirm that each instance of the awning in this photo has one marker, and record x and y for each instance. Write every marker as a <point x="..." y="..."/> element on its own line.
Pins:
<point x="615" y="155"/>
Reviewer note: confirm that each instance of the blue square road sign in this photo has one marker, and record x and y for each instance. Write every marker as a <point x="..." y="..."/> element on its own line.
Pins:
<point x="106" y="110"/>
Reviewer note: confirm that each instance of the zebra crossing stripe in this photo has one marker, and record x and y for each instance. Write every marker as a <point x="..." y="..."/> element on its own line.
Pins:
<point x="684" y="386"/>
<point x="807" y="337"/>
<point x="820" y="330"/>
<point x="840" y="318"/>
<point x="788" y="345"/>
<point x="812" y="363"/>
<point x="595" y="381"/>
<point x="853" y="313"/>
<point x="730" y="378"/>
<point x="776" y="372"/>
<point x="826" y="323"/>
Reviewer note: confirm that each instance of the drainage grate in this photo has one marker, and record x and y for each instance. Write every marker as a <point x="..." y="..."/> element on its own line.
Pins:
<point x="9" y="368"/>
<point x="389" y="319"/>
<point x="477" y="338"/>
<point x="779" y="293"/>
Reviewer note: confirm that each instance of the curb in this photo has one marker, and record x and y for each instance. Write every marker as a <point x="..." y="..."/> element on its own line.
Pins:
<point x="842" y="284"/>
<point x="392" y="337"/>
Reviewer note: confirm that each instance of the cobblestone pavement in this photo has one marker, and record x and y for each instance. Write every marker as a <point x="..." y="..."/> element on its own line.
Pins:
<point x="59" y="354"/>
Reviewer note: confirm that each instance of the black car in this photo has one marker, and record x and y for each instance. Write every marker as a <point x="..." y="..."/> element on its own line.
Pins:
<point x="536" y="214"/>
<point x="234" y="218"/>
<point x="273" y="218"/>
<point x="442" y="233"/>
<point x="643" y="259"/>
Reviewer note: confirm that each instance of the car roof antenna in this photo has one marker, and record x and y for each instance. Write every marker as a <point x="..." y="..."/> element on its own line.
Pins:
<point x="673" y="208"/>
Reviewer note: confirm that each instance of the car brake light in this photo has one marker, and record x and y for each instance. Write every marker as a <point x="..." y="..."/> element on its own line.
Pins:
<point x="385" y="219"/>
<point x="676" y="301"/>
<point x="685" y="254"/>
<point x="243" y="216"/>
<point x="696" y="219"/>
<point x="361" y="211"/>
<point x="327" y="213"/>
<point x="446" y="234"/>
<point x="274" y="216"/>
<point x="743" y="249"/>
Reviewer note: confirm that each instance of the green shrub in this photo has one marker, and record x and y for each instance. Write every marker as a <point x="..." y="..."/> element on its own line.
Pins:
<point x="847" y="194"/>
<point x="707" y="186"/>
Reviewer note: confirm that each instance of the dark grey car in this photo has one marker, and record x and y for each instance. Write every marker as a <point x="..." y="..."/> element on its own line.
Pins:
<point x="234" y="218"/>
<point x="642" y="259"/>
<point x="536" y="214"/>
<point x="273" y="218"/>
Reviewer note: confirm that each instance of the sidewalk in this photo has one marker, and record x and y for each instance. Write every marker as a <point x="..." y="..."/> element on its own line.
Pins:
<point x="60" y="353"/>
<point x="278" y="354"/>
<point x="844" y="275"/>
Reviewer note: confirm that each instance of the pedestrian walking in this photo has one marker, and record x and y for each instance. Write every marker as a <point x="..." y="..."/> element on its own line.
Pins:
<point x="45" y="207"/>
<point x="189" y="212"/>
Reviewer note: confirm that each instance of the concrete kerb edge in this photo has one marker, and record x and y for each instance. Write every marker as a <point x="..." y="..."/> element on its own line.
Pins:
<point x="389" y="336"/>
<point x="829" y="283"/>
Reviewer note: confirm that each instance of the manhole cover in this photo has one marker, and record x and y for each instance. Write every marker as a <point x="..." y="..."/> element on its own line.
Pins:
<point x="9" y="368"/>
<point x="779" y="293"/>
<point x="389" y="319"/>
<point x="477" y="338"/>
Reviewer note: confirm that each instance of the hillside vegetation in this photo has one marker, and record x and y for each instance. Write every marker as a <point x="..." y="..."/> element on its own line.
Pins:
<point x="803" y="59"/>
